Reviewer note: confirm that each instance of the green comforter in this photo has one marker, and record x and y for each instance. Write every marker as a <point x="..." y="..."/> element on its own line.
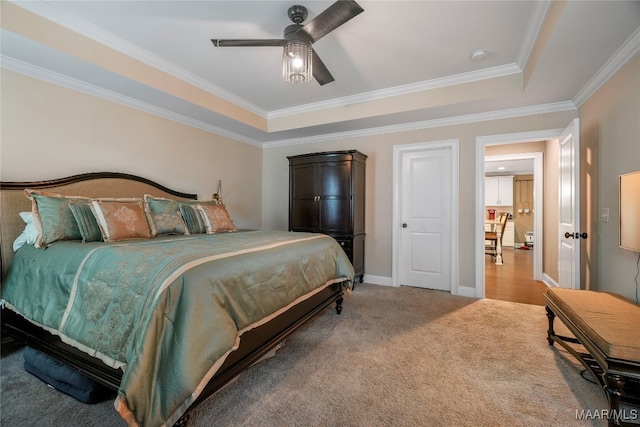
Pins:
<point x="168" y="310"/>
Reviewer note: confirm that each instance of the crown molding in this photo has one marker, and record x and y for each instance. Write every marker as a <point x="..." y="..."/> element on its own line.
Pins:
<point x="540" y="9"/>
<point x="617" y="60"/>
<point x="473" y="76"/>
<point x="427" y="124"/>
<point x="47" y="10"/>
<point x="40" y="73"/>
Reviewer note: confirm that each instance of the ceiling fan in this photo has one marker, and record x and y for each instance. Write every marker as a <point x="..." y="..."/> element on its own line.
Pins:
<point x="300" y="60"/>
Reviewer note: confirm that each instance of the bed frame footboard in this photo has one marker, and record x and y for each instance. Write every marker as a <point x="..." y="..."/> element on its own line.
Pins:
<point x="254" y="344"/>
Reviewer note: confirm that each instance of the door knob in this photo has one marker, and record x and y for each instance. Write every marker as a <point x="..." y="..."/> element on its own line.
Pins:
<point x="404" y="225"/>
<point x="575" y="235"/>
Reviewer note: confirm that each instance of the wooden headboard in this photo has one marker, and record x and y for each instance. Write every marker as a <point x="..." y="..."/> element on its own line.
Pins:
<point x="93" y="185"/>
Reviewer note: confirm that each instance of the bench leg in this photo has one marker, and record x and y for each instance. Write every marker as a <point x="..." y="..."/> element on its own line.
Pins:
<point x="614" y="384"/>
<point x="550" y="332"/>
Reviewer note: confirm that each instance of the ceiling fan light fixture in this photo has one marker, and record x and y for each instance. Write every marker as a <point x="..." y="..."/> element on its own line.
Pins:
<point x="297" y="61"/>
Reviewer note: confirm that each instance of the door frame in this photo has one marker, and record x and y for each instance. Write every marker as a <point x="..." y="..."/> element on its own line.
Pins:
<point x="506" y="139"/>
<point x="398" y="150"/>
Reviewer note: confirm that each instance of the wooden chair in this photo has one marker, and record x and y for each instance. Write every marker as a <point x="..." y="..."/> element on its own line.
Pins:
<point x="492" y="236"/>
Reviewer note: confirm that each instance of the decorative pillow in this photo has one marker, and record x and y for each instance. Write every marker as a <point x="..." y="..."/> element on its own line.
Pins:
<point x="164" y="216"/>
<point x="216" y="218"/>
<point x="193" y="218"/>
<point x="52" y="217"/>
<point x="30" y="233"/>
<point x="121" y="219"/>
<point x="87" y="224"/>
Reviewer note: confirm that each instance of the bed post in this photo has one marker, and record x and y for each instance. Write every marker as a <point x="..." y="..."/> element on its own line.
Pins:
<point x="339" y="304"/>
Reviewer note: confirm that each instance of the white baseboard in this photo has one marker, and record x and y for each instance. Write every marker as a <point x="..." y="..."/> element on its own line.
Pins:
<point x="549" y="281"/>
<point x="467" y="291"/>
<point x="378" y="280"/>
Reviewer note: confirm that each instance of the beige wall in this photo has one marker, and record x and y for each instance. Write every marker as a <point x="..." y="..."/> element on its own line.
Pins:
<point x="49" y="131"/>
<point x="610" y="146"/>
<point x="379" y="200"/>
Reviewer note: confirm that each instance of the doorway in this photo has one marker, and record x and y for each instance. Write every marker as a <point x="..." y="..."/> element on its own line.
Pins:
<point x="425" y="215"/>
<point x="538" y="173"/>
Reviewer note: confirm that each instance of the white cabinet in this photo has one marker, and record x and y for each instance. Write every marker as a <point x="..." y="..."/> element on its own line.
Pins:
<point x="508" y="239"/>
<point x="498" y="191"/>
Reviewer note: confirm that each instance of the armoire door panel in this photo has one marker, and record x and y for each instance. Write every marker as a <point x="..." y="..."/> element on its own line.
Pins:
<point x="334" y="179"/>
<point x="304" y="215"/>
<point x="304" y="182"/>
<point x="335" y="216"/>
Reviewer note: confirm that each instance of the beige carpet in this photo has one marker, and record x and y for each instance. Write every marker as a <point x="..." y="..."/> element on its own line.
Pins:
<point x="395" y="357"/>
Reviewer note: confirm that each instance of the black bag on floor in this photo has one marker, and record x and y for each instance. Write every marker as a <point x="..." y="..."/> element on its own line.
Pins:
<point x="64" y="378"/>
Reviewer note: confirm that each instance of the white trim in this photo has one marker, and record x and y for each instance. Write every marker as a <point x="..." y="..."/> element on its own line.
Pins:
<point x="428" y="124"/>
<point x="377" y="280"/>
<point x="549" y="281"/>
<point x="47" y="75"/>
<point x="467" y="291"/>
<point x="536" y="21"/>
<point x="48" y="11"/>
<point x="622" y="55"/>
<point x="472" y="76"/>
<point x="509" y="138"/>
<point x="513" y="138"/>
<point x="398" y="150"/>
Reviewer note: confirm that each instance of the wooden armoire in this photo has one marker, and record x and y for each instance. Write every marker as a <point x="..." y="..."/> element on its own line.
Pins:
<point x="327" y="195"/>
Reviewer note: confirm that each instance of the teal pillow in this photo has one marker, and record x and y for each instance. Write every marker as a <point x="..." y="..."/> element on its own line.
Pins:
<point x="193" y="219"/>
<point x="86" y="221"/>
<point x="164" y="216"/>
<point x="53" y="217"/>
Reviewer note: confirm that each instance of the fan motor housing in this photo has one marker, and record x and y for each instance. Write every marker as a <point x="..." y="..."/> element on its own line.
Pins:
<point x="297" y="13"/>
<point x="291" y="33"/>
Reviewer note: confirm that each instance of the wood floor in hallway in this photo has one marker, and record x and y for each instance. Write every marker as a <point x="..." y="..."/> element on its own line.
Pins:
<point x="513" y="281"/>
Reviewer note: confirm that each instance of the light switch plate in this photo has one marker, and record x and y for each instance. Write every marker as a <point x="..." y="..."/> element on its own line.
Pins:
<point x="604" y="215"/>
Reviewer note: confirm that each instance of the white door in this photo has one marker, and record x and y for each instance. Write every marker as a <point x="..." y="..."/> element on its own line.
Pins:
<point x="569" y="208"/>
<point x="426" y="214"/>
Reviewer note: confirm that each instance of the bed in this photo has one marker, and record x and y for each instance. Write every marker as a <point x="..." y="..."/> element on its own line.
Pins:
<point x="166" y="319"/>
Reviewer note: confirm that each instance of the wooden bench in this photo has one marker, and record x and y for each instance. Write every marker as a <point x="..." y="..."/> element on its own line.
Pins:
<point x="608" y="327"/>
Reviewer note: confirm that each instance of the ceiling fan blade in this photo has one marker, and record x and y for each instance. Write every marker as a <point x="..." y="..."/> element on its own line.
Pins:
<point x="320" y="71"/>
<point x="331" y="18"/>
<point x="247" y="42"/>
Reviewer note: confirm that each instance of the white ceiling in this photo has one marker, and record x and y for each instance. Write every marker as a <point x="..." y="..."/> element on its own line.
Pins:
<point x="397" y="65"/>
<point x="509" y="167"/>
